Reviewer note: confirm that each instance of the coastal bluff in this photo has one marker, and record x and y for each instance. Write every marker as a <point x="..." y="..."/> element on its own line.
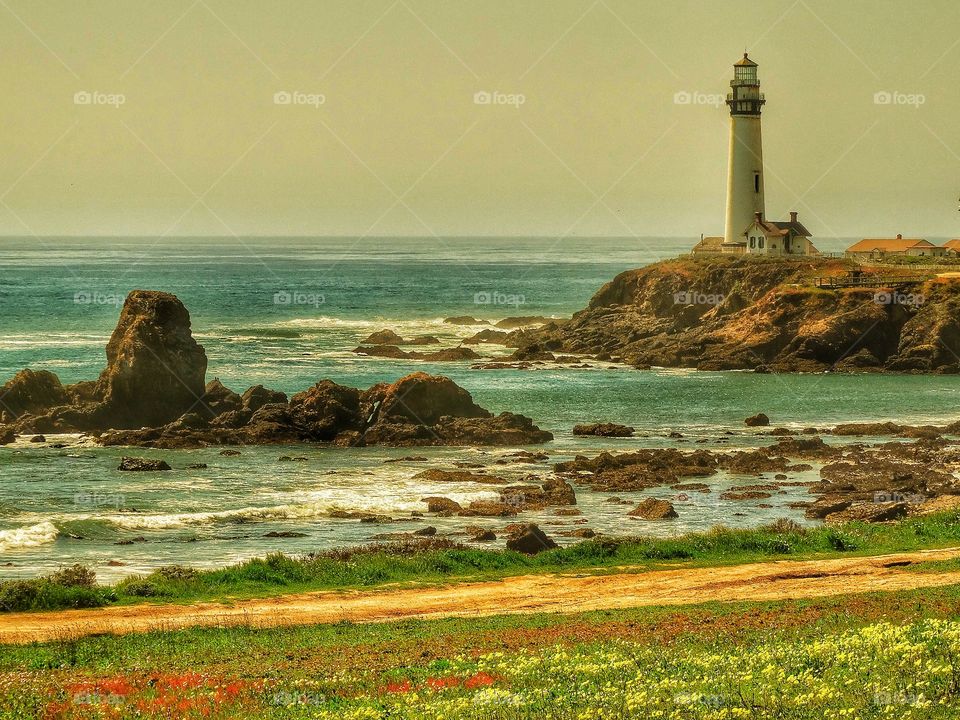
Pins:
<point x="767" y="315"/>
<point x="153" y="393"/>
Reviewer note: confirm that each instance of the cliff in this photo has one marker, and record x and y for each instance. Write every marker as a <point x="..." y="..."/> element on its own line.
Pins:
<point x="759" y="314"/>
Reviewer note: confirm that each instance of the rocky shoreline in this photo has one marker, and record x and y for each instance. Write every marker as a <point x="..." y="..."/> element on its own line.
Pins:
<point x="726" y="313"/>
<point x="153" y="393"/>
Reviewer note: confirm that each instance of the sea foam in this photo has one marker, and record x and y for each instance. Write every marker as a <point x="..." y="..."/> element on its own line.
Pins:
<point x="27" y="537"/>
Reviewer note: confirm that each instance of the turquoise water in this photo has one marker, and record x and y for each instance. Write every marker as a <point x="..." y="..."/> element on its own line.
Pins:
<point x="59" y="301"/>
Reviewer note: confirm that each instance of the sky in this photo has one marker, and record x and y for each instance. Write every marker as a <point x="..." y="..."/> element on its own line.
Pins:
<point x="452" y="118"/>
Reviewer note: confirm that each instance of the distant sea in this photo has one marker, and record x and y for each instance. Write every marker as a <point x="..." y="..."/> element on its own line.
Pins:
<point x="287" y="312"/>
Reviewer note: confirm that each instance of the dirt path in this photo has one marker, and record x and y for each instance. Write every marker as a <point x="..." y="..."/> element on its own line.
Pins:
<point x="779" y="580"/>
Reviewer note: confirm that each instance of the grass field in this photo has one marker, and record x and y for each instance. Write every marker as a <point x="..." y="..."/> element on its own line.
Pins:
<point x="881" y="655"/>
<point x="373" y="566"/>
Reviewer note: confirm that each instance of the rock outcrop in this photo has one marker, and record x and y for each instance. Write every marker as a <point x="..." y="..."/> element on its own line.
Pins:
<point x="31" y="392"/>
<point x="726" y="313"/>
<point x="528" y="539"/>
<point x="758" y="420"/>
<point x="134" y="464"/>
<point x="153" y="393"/>
<point x="154" y="375"/>
<point x="418" y="409"/>
<point x="603" y="430"/>
<point x="155" y="369"/>
<point x="389" y="337"/>
<point x="654" y="509"/>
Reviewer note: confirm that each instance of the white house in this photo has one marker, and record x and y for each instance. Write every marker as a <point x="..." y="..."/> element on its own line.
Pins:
<point x="778" y="238"/>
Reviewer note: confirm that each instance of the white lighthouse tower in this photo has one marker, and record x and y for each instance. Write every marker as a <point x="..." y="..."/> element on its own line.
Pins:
<point x="745" y="170"/>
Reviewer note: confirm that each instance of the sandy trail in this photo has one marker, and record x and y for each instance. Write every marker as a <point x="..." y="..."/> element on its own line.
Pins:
<point x="780" y="580"/>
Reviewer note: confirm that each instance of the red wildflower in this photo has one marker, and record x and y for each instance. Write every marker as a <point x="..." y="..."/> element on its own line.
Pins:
<point x="442" y="683"/>
<point x="480" y="679"/>
<point x="399" y="687"/>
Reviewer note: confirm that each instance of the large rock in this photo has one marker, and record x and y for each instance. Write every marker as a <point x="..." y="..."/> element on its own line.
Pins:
<point x="32" y="391"/>
<point x="441" y="505"/>
<point x="554" y="492"/>
<point x="155" y="369"/>
<point x="218" y="399"/>
<point x="654" y="509"/>
<point x="326" y="409"/>
<point x="257" y="396"/>
<point x="758" y="420"/>
<point x="604" y="430"/>
<point x="383" y="337"/>
<point x="425" y="399"/>
<point x="869" y="512"/>
<point x="529" y="539"/>
<point x="135" y="464"/>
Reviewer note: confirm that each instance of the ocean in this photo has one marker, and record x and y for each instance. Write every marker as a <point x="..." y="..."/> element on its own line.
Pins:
<point x="285" y="313"/>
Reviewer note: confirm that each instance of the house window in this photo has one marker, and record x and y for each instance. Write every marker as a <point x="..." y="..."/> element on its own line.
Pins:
<point x="761" y="243"/>
<point x="756" y="182"/>
<point x="753" y="242"/>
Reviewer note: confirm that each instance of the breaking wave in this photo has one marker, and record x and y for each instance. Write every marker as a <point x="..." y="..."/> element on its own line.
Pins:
<point x="29" y="536"/>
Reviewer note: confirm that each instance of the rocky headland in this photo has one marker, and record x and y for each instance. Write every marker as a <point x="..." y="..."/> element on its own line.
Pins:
<point x="735" y="313"/>
<point x="153" y="392"/>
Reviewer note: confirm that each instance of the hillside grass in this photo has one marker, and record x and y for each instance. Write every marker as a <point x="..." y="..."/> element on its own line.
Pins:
<point x="385" y="564"/>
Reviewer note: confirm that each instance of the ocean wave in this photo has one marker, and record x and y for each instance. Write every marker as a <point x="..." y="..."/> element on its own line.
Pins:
<point x="316" y="504"/>
<point x="326" y="321"/>
<point x="47" y="340"/>
<point x="27" y="537"/>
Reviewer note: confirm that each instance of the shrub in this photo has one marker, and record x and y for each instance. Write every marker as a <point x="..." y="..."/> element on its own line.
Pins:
<point x="785" y="526"/>
<point x="140" y="588"/>
<point x="75" y="576"/>
<point x="18" y="595"/>
<point x="177" y="573"/>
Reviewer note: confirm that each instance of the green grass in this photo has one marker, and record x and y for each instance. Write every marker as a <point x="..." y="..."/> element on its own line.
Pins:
<point x="338" y="670"/>
<point x="383" y="565"/>
<point x="284" y="649"/>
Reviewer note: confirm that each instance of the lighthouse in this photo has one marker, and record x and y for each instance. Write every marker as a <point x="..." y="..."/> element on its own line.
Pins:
<point x="745" y="159"/>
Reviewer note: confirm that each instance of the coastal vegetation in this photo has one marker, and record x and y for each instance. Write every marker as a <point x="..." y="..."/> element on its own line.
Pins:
<point x="875" y="655"/>
<point x="433" y="561"/>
